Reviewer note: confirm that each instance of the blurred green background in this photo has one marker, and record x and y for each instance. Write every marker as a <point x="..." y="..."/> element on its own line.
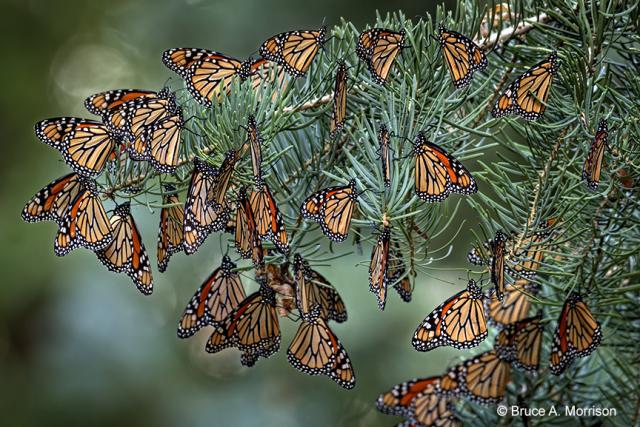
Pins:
<point x="81" y="345"/>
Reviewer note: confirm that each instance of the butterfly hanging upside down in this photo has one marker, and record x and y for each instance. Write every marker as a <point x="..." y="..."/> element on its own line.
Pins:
<point x="438" y="173"/>
<point x="332" y="208"/>
<point x="527" y="95"/>
<point x="378" y="48"/>
<point x="462" y="56"/>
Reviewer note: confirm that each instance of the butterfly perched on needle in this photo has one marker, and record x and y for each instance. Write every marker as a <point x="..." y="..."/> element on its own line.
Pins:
<point x="73" y="203"/>
<point x="126" y="252"/>
<point x="315" y="349"/>
<point x="458" y="322"/>
<point x="419" y="402"/>
<point x="339" y="110"/>
<point x="85" y="222"/>
<point x="313" y="288"/>
<point x="255" y="141"/>
<point x="52" y="202"/>
<point x="438" y="173"/>
<point x="527" y="95"/>
<point x="201" y="215"/>
<point x="332" y="208"/>
<point x="593" y="163"/>
<point x="378" y="48"/>
<point x="268" y="220"/>
<point x="208" y="74"/>
<point x="578" y="334"/>
<point x="171" y="228"/>
<point x="294" y="50"/>
<point x="253" y="327"/>
<point x="521" y="343"/>
<point x="462" y="56"/>
<point x="384" y="151"/>
<point x="483" y="378"/>
<point x="86" y="145"/>
<point x="214" y="300"/>
<point x="398" y="276"/>
<point x="379" y="267"/>
<point x="515" y="304"/>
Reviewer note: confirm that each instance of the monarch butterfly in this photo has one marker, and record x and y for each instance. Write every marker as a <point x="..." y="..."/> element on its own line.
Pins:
<point x="515" y="305"/>
<point x="331" y="305"/>
<point x="269" y="222"/>
<point x="593" y="164"/>
<point x="255" y="143"/>
<point x="201" y="217"/>
<point x="312" y="288"/>
<point x="527" y="95"/>
<point x="245" y="226"/>
<point x="520" y="343"/>
<point x="216" y="298"/>
<point x="458" y="322"/>
<point x="462" y="56"/>
<point x="438" y="173"/>
<point x="332" y="208"/>
<point x="397" y="273"/>
<point x="111" y="100"/>
<point x="483" y="379"/>
<point x="153" y="126"/>
<point x="134" y="117"/>
<point x="171" y="229"/>
<point x="52" y="201"/>
<point x="578" y="334"/>
<point x="85" y="222"/>
<point x="432" y="409"/>
<point x="316" y="350"/>
<point x="126" y="252"/>
<point x="86" y="145"/>
<point x="163" y="141"/>
<point x="253" y="327"/>
<point x="384" y="150"/>
<point x="378" y="267"/>
<point x="378" y="48"/>
<point x="498" y="246"/>
<point x="225" y="172"/>
<point x="208" y="74"/>
<point x="418" y="401"/>
<point x="294" y="50"/>
<point x="339" y="100"/>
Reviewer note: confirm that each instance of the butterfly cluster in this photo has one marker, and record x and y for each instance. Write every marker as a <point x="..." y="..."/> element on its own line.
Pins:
<point x="461" y="322"/>
<point x="147" y="126"/>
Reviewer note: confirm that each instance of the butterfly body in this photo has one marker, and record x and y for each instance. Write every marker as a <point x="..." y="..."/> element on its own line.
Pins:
<point x="593" y="164"/>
